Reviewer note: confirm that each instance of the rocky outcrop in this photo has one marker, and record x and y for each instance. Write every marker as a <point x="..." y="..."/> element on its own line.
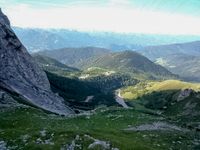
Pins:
<point x="20" y="74"/>
<point x="7" y="101"/>
<point x="184" y="94"/>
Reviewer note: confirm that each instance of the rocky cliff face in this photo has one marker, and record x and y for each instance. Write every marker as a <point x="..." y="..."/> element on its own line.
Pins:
<point x="20" y="74"/>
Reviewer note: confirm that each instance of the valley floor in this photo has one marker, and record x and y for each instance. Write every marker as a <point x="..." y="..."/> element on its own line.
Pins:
<point x="104" y="128"/>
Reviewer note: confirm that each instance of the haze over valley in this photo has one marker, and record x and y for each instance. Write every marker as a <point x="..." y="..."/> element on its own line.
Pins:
<point x="101" y="75"/>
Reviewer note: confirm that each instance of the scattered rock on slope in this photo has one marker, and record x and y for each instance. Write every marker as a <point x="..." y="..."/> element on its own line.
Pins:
<point x="20" y="74"/>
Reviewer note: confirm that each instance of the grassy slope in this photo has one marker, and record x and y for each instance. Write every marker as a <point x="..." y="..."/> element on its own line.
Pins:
<point x="132" y="92"/>
<point x="164" y="97"/>
<point x="129" y="62"/>
<point x="21" y="127"/>
<point x="106" y="124"/>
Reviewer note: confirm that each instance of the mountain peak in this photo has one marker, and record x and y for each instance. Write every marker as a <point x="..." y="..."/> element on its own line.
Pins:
<point x="4" y="19"/>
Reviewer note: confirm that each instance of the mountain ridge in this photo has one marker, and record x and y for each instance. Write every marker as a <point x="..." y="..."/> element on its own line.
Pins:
<point x="70" y="56"/>
<point x="36" y="39"/>
<point x="127" y="61"/>
<point x="152" y="52"/>
<point x="181" y="58"/>
<point x="187" y="66"/>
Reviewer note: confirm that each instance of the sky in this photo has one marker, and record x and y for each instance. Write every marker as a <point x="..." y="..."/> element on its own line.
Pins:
<point x="124" y="16"/>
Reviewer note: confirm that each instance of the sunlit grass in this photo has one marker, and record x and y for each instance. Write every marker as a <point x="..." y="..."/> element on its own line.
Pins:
<point x="142" y="88"/>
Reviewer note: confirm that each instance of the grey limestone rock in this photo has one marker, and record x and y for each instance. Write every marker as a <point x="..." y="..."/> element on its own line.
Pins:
<point x="20" y="74"/>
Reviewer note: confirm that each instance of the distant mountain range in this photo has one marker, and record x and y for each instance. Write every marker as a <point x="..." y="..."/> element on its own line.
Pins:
<point x="182" y="59"/>
<point x="154" y="52"/>
<point x="83" y="48"/>
<point x="74" y="56"/>
<point x="126" y="61"/>
<point x="187" y="66"/>
<point x="48" y="39"/>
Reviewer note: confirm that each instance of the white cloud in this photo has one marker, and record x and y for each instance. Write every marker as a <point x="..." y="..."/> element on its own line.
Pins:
<point x="110" y="18"/>
<point x="119" y="3"/>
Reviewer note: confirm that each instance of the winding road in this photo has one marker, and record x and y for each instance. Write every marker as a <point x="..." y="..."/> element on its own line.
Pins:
<point x="119" y="99"/>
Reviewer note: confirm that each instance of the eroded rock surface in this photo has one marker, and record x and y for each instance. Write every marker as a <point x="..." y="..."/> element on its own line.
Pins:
<point x="184" y="94"/>
<point x="20" y="74"/>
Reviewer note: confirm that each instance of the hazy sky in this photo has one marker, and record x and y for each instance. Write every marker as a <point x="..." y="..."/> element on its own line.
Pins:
<point x="141" y="16"/>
